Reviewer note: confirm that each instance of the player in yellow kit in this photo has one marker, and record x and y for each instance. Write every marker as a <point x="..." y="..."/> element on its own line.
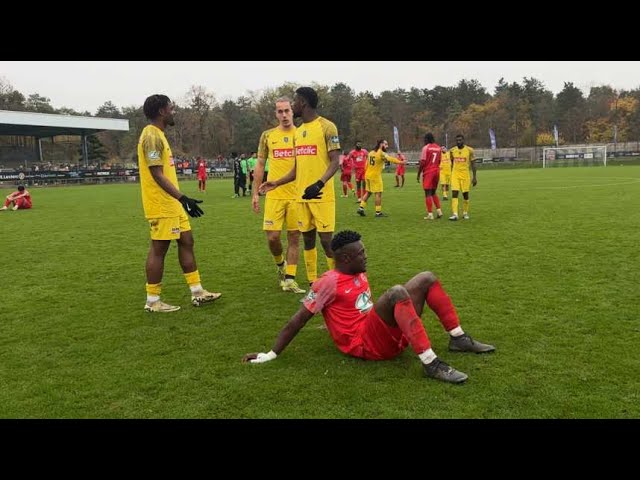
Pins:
<point x="462" y="158"/>
<point x="163" y="205"/>
<point x="317" y="158"/>
<point x="276" y="147"/>
<point x="373" y="176"/>
<point x="445" y="173"/>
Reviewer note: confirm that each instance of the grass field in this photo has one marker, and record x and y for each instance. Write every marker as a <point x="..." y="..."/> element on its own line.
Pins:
<point x="546" y="270"/>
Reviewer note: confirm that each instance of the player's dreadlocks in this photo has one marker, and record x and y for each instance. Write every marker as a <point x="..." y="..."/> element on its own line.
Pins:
<point x="345" y="237"/>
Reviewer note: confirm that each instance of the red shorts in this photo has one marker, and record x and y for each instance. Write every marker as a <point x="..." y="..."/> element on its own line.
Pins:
<point x="400" y="170"/>
<point x="430" y="179"/>
<point x="379" y="340"/>
<point x="360" y="175"/>
<point x="201" y="179"/>
<point x="345" y="177"/>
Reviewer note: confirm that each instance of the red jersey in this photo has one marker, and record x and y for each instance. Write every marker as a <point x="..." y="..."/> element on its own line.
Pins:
<point x="202" y="169"/>
<point x="358" y="159"/>
<point x="347" y="165"/>
<point x="344" y="301"/>
<point x="431" y="157"/>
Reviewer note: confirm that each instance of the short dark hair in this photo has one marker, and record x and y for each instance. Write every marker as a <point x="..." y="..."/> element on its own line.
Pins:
<point x="460" y="135"/>
<point x="153" y="105"/>
<point x="428" y="138"/>
<point x="310" y="95"/>
<point x="378" y="143"/>
<point x="345" y="237"/>
<point x="21" y="188"/>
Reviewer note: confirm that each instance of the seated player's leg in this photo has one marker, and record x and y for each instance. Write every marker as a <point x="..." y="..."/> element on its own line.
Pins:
<point x="392" y="324"/>
<point x="426" y="288"/>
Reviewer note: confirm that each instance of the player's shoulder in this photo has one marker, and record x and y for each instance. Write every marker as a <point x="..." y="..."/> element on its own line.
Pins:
<point x="268" y="132"/>
<point x="328" y="280"/>
<point x="327" y="124"/>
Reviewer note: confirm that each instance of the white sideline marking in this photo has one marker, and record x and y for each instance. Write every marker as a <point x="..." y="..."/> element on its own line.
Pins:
<point x="630" y="181"/>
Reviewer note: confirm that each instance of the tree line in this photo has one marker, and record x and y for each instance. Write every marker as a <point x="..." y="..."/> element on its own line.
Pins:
<point x="522" y="114"/>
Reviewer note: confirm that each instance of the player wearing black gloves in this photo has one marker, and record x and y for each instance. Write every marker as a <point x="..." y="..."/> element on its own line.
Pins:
<point x="164" y="207"/>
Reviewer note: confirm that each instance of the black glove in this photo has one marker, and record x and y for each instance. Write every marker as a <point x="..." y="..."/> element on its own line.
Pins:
<point x="313" y="191"/>
<point x="191" y="206"/>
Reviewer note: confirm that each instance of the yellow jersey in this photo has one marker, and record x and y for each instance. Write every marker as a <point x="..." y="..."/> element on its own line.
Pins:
<point x="375" y="163"/>
<point x="313" y="141"/>
<point x="154" y="150"/>
<point x="276" y="147"/>
<point x="445" y="162"/>
<point x="462" y="158"/>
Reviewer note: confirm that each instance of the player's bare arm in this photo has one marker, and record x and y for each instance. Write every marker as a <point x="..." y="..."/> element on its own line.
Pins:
<point x="165" y="184"/>
<point x="289" y="331"/>
<point x="257" y="177"/>
<point x="395" y="160"/>
<point x="289" y="177"/>
<point x="334" y="156"/>
<point x="474" y="181"/>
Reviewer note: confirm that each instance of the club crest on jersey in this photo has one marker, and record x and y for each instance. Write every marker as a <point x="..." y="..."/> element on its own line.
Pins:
<point x="304" y="134"/>
<point x="363" y="302"/>
<point x="286" y="139"/>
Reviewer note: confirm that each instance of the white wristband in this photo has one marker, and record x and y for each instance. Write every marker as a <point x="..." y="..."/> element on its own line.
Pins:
<point x="265" y="357"/>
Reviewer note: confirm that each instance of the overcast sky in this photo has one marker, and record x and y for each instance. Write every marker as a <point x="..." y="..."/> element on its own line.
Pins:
<point x="87" y="85"/>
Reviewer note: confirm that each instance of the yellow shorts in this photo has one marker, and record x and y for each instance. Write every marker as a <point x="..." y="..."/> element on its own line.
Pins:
<point x="374" y="185"/>
<point x="168" y="228"/>
<point x="445" y="177"/>
<point x="460" y="184"/>
<point x="277" y="212"/>
<point x="319" y="216"/>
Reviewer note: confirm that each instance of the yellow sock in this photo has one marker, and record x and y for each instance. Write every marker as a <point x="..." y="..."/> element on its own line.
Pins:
<point x="192" y="278"/>
<point x="153" y="289"/>
<point x="465" y="206"/>
<point x="291" y="270"/>
<point x="279" y="259"/>
<point x="363" y="204"/>
<point x="454" y="205"/>
<point x="311" y="261"/>
<point x="378" y="208"/>
<point x="331" y="262"/>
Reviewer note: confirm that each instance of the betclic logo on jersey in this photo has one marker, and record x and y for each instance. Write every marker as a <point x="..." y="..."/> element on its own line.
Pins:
<point x="283" y="153"/>
<point x="307" y="150"/>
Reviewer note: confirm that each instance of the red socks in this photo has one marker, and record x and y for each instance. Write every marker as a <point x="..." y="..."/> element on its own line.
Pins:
<point x="411" y="326"/>
<point x="441" y="304"/>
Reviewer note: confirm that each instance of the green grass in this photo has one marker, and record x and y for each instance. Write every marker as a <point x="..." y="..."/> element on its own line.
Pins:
<point x="546" y="269"/>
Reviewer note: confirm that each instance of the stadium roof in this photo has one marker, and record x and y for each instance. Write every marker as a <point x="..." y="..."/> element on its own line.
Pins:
<point x="42" y="125"/>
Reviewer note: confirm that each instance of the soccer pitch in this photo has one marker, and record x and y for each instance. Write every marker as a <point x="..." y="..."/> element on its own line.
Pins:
<point x="546" y="270"/>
